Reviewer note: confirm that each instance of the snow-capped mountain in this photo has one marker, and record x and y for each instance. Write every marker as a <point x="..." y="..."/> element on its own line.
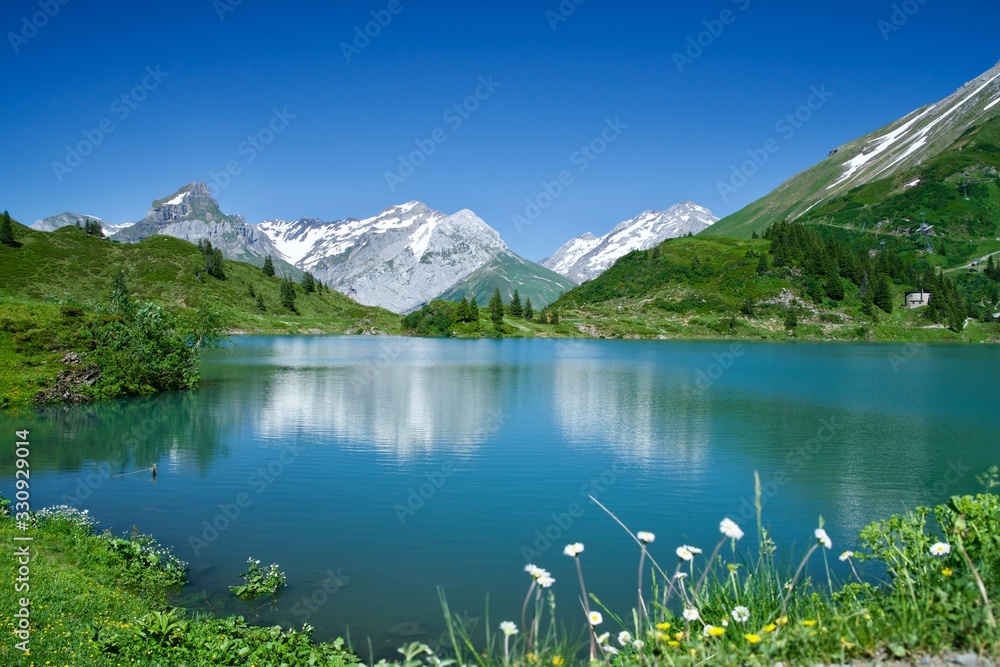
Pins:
<point x="399" y="259"/>
<point x="193" y="214"/>
<point x="586" y="257"/>
<point x="54" y="222"/>
<point x="896" y="148"/>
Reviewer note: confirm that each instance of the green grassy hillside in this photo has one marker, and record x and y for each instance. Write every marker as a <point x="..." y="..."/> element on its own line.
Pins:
<point x="51" y="282"/>
<point x="723" y="287"/>
<point x="507" y="274"/>
<point x="71" y="265"/>
<point x="957" y="193"/>
<point x="935" y="133"/>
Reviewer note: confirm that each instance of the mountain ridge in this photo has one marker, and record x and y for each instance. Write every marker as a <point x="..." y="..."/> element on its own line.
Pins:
<point x="895" y="148"/>
<point x="587" y="256"/>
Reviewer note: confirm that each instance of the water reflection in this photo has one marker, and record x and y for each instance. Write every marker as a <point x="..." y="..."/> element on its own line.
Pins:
<point x="632" y="411"/>
<point x="178" y="428"/>
<point x="405" y="412"/>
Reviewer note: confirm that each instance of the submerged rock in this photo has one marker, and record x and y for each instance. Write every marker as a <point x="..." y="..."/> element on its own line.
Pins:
<point x="408" y="629"/>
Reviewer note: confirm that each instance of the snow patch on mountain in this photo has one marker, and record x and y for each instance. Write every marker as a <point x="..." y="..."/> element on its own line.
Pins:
<point x="398" y="260"/>
<point x="586" y="257"/>
<point x="881" y="156"/>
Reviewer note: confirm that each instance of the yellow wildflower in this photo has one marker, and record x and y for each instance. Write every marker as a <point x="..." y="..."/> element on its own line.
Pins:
<point x="673" y="643"/>
<point x="662" y="626"/>
<point x="558" y="661"/>
<point x="770" y="627"/>
<point x="947" y="572"/>
<point x="782" y="621"/>
<point x="753" y="639"/>
<point x="809" y="623"/>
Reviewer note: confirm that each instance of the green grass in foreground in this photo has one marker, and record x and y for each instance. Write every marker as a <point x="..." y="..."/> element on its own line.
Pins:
<point x="100" y="600"/>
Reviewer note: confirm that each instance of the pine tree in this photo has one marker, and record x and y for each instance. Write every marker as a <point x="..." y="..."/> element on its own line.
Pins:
<point x="260" y="303"/>
<point x="881" y="294"/>
<point x="555" y="317"/>
<point x="496" y="309"/>
<point x="215" y="268"/>
<point x="529" y="312"/>
<point x="7" y="230"/>
<point x="268" y="267"/>
<point x="462" y="312"/>
<point x="762" y="267"/>
<point x="755" y="235"/>
<point x="834" y="288"/>
<point x="308" y="282"/>
<point x="516" y="309"/>
<point x="288" y="294"/>
<point x="992" y="270"/>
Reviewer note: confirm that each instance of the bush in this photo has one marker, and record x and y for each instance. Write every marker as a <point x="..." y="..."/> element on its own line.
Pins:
<point x="142" y="348"/>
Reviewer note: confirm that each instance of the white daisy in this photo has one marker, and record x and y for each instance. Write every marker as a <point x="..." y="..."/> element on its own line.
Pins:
<point x="508" y="628"/>
<point x="644" y="537"/>
<point x="595" y="618"/>
<point x="823" y="538"/>
<point x="624" y="637"/>
<point x="940" y="549"/>
<point x="741" y="614"/>
<point x="729" y="528"/>
<point x="847" y="555"/>
<point x="691" y="614"/>
<point x="573" y="550"/>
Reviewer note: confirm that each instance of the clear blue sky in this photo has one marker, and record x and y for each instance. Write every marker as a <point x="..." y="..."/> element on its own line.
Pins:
<point x="352" y="120"/>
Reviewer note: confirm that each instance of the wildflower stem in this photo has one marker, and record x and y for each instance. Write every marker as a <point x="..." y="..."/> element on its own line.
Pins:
<point x="631" y="534"/>
<point x="586" y="605"/>
<point x="708" y="566"/>
<point x="642" y="603"/>
<point x="791" y="587"/>
<point x="979" y="581"/>
<point x="524" y="611"/>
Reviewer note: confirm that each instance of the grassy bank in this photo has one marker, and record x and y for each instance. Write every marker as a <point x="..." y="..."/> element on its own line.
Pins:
<point x="928" y="583"/>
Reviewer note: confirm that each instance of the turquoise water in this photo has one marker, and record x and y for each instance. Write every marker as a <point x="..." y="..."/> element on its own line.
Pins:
<point x="374" y="470"/>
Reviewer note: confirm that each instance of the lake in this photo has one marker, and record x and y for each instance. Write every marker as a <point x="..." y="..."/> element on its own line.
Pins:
<point x="374" y="470"/>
